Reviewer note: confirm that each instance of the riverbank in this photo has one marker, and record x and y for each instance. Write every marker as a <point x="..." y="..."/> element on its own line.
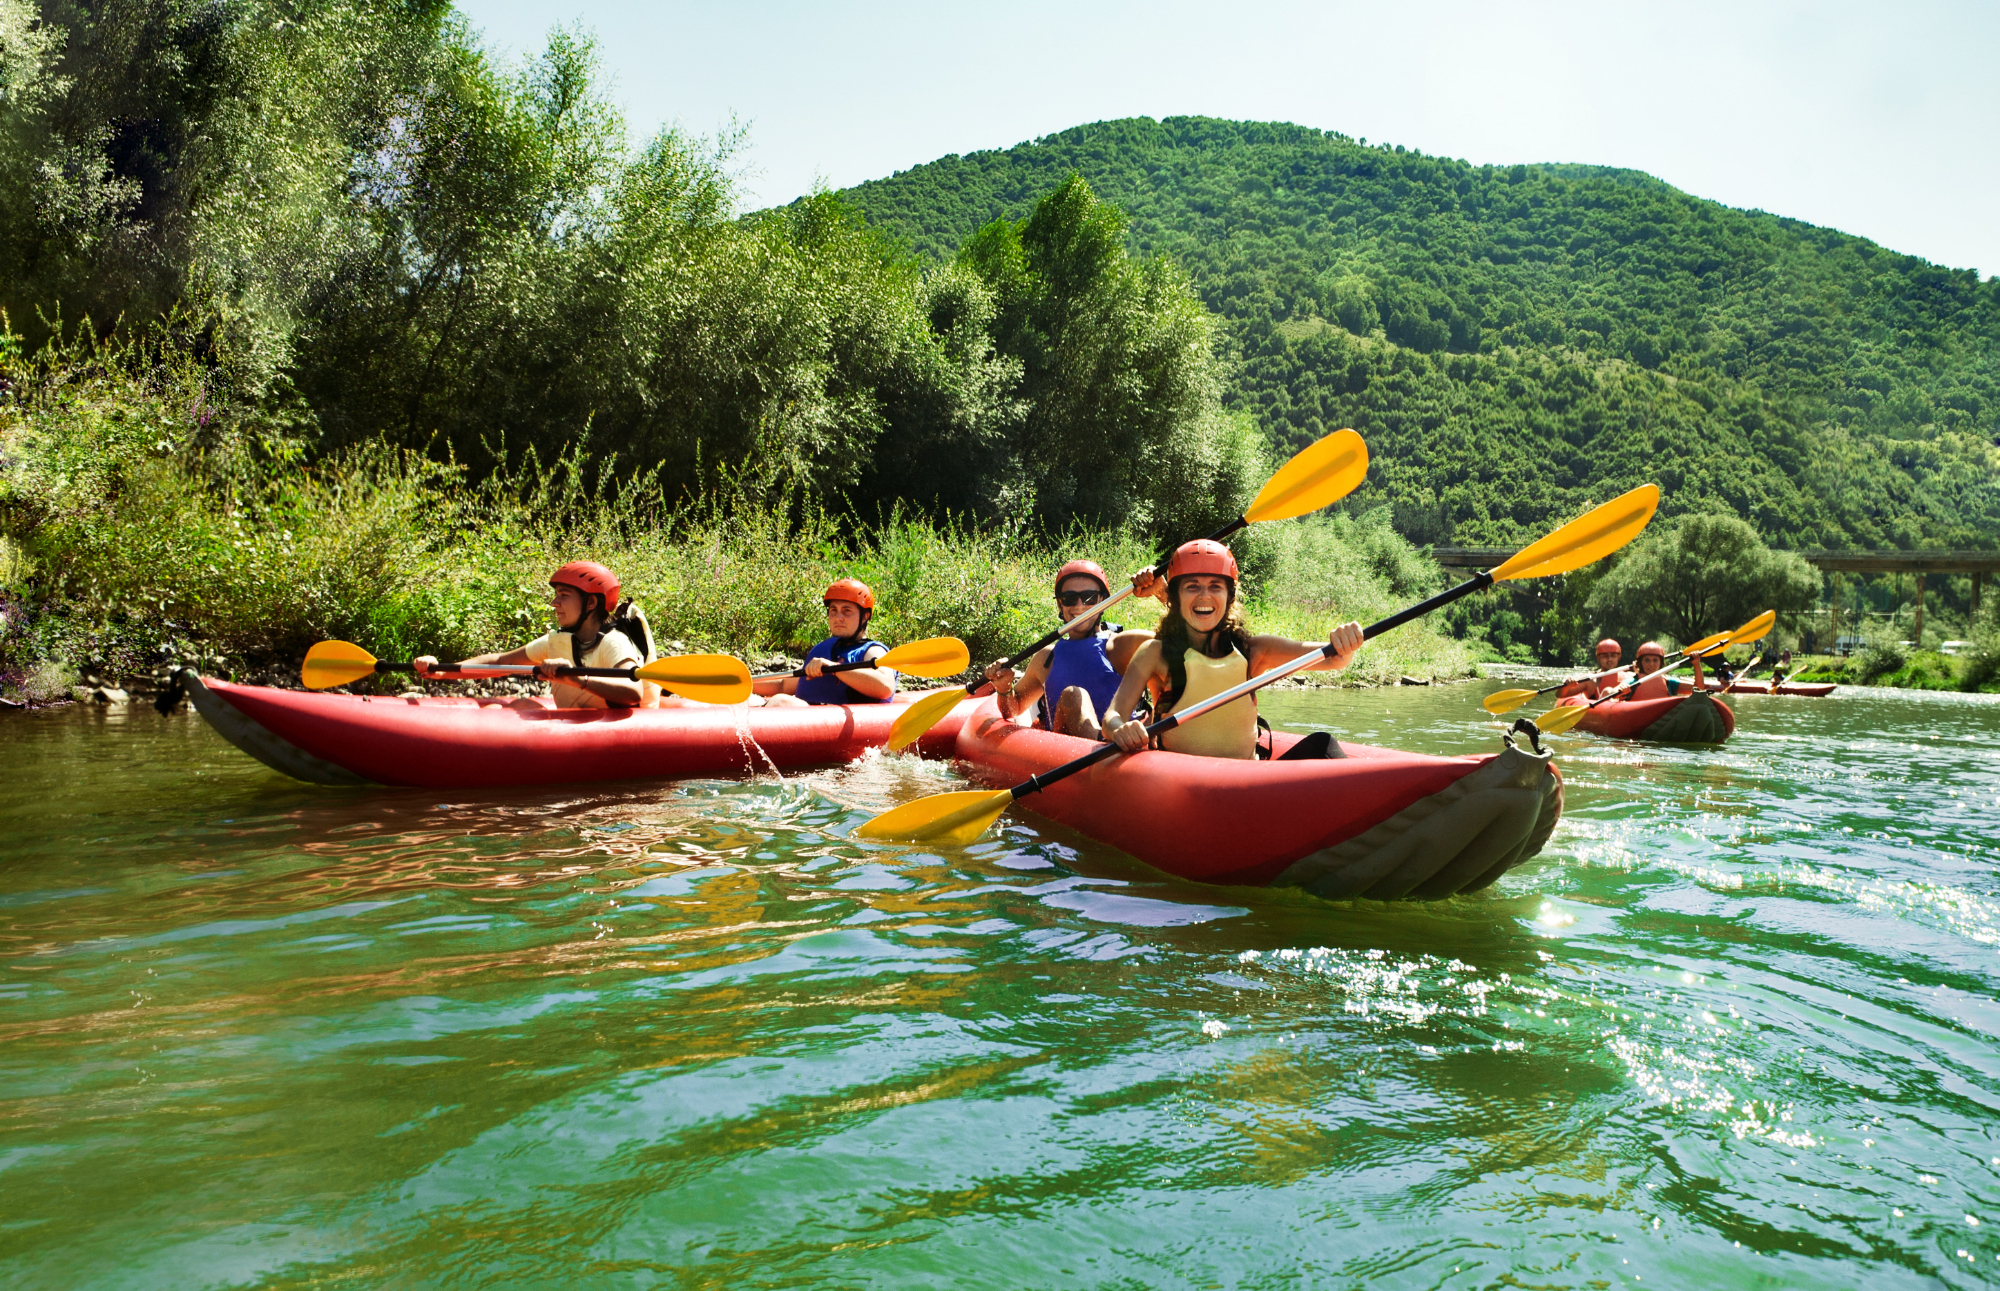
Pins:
<point x="145" y="522"/>
<point x="1976" y="673"/>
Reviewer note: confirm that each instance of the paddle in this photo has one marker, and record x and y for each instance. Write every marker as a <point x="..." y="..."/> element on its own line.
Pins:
<point x="935" y="657"/>
<point x="1749" y="634"/>
<point x="711" y="678"/>
<point x="1318" y="475"/>
<point x="961" y="817"/>
<point x="1506" y="701"/>
<point x="1564" y="716"/>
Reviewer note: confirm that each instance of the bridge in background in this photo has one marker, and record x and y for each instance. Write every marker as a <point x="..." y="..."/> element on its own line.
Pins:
<point x="1976" y="563"/>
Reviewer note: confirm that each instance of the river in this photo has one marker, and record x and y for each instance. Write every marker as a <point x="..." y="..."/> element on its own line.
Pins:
<point x="1735" y="1028"/>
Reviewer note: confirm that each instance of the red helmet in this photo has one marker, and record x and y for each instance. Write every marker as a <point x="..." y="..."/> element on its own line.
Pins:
<point x="1651" y="648"/>
<point x="850" y="589"/>
<point x="587" y="576"/>
<point x="1088" y="567"/>
<point x="1611" y="644"/>
<point x="1202" y="556"/>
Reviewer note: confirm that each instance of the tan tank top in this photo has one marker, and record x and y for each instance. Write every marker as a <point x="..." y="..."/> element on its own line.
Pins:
<point x="1226" y="732"/>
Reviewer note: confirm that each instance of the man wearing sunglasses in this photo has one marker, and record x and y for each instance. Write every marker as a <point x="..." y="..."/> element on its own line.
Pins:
<point x="1082" y="670"/>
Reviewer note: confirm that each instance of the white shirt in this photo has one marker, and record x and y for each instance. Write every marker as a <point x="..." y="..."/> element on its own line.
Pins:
<point x="613" y="650"/>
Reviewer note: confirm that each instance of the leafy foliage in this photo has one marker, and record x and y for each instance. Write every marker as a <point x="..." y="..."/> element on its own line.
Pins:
<point x="147" y="513"/>
<point x="1518" y="342"/>
<point x="467" y="260"/>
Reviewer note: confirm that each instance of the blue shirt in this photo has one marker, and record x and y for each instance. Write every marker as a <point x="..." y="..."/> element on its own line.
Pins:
<point x="1081" y="663"/>
<point x="832" y="690"/>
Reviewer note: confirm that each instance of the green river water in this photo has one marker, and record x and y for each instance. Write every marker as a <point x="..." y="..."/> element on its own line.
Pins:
<point x="1734" y="1028"/>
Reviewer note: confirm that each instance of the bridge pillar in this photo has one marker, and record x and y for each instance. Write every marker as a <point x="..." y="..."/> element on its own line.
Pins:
<point x="1978" y="577"/>
<point x="1919" y="632"/>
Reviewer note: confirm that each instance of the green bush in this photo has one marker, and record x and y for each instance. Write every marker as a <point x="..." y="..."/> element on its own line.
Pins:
<point x="143" y="520"/>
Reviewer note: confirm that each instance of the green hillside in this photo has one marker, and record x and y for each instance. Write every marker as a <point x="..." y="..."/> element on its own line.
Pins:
<point x="1515" y="341"/>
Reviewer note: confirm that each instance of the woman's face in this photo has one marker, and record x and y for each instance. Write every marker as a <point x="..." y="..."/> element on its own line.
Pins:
<point x="567" y="602"/>
<point x="1203" y="600"/>
<point x="1650" y="663"/>
<point x="843" y="618"/>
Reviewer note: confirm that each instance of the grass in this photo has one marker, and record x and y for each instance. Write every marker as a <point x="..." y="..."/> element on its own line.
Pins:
<point x="1977" y="672"/>
<point x="145" y="519"/>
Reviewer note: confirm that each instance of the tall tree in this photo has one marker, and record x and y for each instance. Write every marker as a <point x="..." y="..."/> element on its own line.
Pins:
<point x="1698" y="575"/>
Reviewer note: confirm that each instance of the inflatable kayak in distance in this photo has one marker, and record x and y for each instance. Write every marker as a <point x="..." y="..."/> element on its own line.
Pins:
<point x="1693" y="718"/>
<point x="453" y="743"/>
<point x="1375" y="823"/>
<point x="1801" y="689"/>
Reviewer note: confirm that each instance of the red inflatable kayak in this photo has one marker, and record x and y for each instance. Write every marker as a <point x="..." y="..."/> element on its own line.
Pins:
<point x="1376" y="823"/>
<point x="441" y="743"/>
<point x="1695" y="718"/>
<point x="1802" y="689"/>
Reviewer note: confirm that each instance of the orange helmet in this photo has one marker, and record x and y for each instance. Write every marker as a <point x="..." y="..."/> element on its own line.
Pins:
<point x="588" y="577"/>
<point x="1651" y="648"/>
<point x="1202" y="556"/>
<point x="850" y="589"/>
<point x="1086" y="567"/>
<point x="1611" y="644"/>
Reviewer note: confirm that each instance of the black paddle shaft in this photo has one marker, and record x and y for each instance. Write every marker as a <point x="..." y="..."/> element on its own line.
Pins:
<point x="623" y="674"/>
<point x="1159" y="568"/>
<point x="832" y="667"/>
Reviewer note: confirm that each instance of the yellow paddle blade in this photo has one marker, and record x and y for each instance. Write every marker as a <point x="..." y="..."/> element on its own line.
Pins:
<point x="335" y="663"/>
<point x="710" y="678"/>
<point x="1709" y="645"/>
<point x="937" y="657"/>
<point x="941" y="818"/>
<point x="921" y="716"/>
<point x="1318" y="475"/>
<point x="1560" y="718"/>
<point x="1756" y="629"/>
<point x="1591" y="536"/>
<point x="1506" y="701"/>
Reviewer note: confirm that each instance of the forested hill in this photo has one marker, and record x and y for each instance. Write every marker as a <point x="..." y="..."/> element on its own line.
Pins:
<point x="1517" y="340"/>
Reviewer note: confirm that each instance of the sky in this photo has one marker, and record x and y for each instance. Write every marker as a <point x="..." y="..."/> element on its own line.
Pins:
<point x="1881" y="120"/>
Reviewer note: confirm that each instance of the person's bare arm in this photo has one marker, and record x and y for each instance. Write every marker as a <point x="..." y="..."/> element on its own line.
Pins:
<point x="875" y="683"/>
<point x="1026" y="688"/>
<point x="1267" y="652"/>
<point x="1119" y="728"/>
<point x="426" y="665"/>
<point x="1124" y="648"/>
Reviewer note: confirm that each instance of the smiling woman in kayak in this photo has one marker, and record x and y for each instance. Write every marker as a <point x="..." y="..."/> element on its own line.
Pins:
<point x="849" y="606"/>
<point x="583" y="595"/>
<point x="1203" y="649"/>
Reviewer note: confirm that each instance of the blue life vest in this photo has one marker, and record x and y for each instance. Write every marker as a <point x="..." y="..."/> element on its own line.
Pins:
<point x="832" y="690"/>
<point x="1081" y="663"/>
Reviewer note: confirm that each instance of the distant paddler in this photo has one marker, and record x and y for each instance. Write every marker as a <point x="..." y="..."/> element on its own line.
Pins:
<point x="1607" y="677"/>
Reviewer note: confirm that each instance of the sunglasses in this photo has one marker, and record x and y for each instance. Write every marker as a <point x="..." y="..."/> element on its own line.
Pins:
<point x="1068" y="599"/>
